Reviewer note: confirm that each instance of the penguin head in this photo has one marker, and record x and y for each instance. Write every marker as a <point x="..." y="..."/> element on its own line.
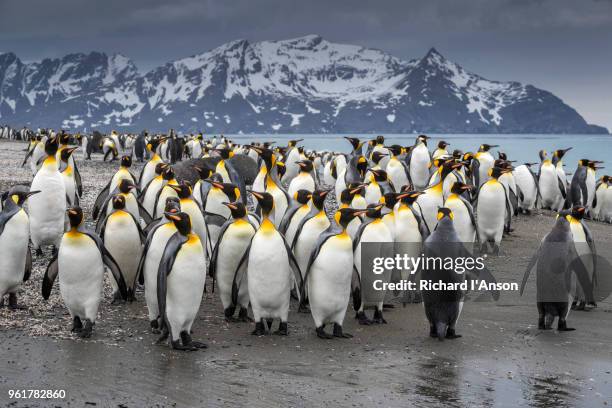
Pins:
<point x="380" y="140"/>
<point x="64" y="138"/>
<point x="265" y="200"/>
<point x="172" y="205"/>
<point x="118" y="202"/>
<point x="457" y="154"/>
<point x="409" y="197"/>
<point x="395" y="150"/>
<point x="377" y="156"/>
<point x="346" y="197"/>
<point x="19" y="194"/>
<point x="281" y="169"/>
<point x="502" y="156"/>
<point x="66" y="153"/>
<point x="379" y="175"/>
<point x="577" y="212"/>
<point x="486" y="147"/>
<point x="204" y="171"/>
<point x="266" y="154"/>
<point x="183" y="189"/>
<point x="445" y="213"/>
<point x="302" y="196"/>
<point x="448" y="166"/>
<point x="374" y="211"/>
<point x="305" y="165"/>
<point x="496" y="172"/>
<point x="292" y="143"/>
<point x="181" y="221"/>
<point x="51" y="146"/>
<point x="460" y="188"/>
<point x="168" y="173"/>
<point x="237" y="209"/>
<point x="357" y="189"/>
<point x="442" y="144"/>
<point x="362" y="165"/>
<point x="593" y="164"/>
<point x="126" y="161"/>
<point x="356" y="143"/>
<point x="160" y="167"/>
<point x="389" y="200"/>
<point x="561" y="152"/>
<point x="75" y="216"/>
<point x="542" y="154"/>
<point x="126" y="185"/>
<point x="422" y="139"/>
<point x="318" y="198"/>
<point x="344" y="216"/>
<point x="225" y="153"/>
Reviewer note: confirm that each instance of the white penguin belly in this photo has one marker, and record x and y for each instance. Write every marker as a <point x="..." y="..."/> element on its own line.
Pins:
<point x="461" y="220"/>
<point x="397" y="174"/>
<point x="329" y="281"/>
<point x="151" y="266"/>
<point x="301" y="182"/>
<point x="308" y="238"/>
<point x="269" y="278"/>
<point x="81" y="275"/>
<point x="419" y="166"/>
<point x="185" y="287"/>
<point x="549" y="186"/>
<point x="121" y="238"/>
<point x="13" y="247"/>
<point x="491" y="212"/>
<point x="47" y="208"/>
<point x="429" y="203"/>
<point x="231" y="250"/>
<point x="295" y="222"/>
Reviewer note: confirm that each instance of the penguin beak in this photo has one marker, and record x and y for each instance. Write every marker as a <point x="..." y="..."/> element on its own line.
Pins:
<point x="31" y="193"/>
<point x="232" y="206"/>
<point x="175" y="188"/>
<point x="72" y="211"/>
<point x="172" y="216"/>
<point x="214" y="183"/>
<point x="256" y="194"/>
<point x="467" y="187"/>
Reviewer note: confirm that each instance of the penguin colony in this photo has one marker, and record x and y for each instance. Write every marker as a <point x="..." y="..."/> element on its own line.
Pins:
<point x="262" y="245"/>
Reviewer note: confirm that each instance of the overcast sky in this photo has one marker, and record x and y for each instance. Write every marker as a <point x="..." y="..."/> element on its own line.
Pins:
<point x="564" y="46"/>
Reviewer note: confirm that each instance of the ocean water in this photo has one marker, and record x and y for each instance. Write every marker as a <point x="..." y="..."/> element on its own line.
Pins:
<point x="520" y="147"/>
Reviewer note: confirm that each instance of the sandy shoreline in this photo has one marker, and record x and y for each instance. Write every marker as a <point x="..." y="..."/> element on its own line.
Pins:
<point x="501" y="360"/>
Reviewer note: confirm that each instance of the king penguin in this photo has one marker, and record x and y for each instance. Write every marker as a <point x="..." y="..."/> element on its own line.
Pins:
<point x="234" y="239"/>
<point x="79" y="263"/>
<point x="180" y="284"/>
<point x="419" y="163"/>
<point x="270" y="263"/>
<point x="492" y="210"/>
<point x="47" y="209"/>
<point x="123" y="237"/>
<point x="15" y="256"/>
<point x="328" y="275"/>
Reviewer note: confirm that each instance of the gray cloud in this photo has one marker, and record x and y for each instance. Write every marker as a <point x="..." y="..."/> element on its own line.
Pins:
<point x="550" y="43"/>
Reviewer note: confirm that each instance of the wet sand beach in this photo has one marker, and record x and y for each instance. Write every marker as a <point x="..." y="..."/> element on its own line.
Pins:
<point x="501" y="360"/>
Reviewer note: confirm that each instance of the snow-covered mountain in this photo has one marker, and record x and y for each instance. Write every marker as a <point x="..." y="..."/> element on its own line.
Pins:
<point x="303" y="85"/>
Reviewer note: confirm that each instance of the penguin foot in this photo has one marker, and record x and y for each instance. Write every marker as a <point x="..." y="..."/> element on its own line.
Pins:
<point x="283" y="329"/>
<point x="450" y="334"/>
<point x="562" y="326"/>
<point x="117" y="300"/>
<point x="243" y="315"/>
<point x="164" y="335"/>
<point x="189" y="342"/>
<point x="378" y="317"/>
<point x="338" y="332"/>
<point x="321" y="333"/>
<point x="592" y="304"/>
<point x="12" y="303"/>
<point x="229" y="313"/>
<point x="155" y="327"/>
<point x="176" y="345"/>
<point x="77" y="325"/>
<point x="433" y="333"/>
<point x="363" y="319"/>
<point x="303" y="308"/>
<point x="259" y="329"/>
<point x="85" y="333"/>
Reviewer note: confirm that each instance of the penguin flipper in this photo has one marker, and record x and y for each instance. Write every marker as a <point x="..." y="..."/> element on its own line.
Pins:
<point x="298" y="230"/>
<point x="49" y="278"/>
<point x="27" y="156"/>
<point x="532" y="262"/>
<point x="165" y="267"/>
<point x="295" y="267"/>
<point x="476" y="172"/>
<point x="212" y="266"/>
<point x="284" y="224"/>
<point x="98" y="205"/>
<point x="78" y="181"/>
<point x="582" y="274"/>
<point x="144" y="214"/>
<point x="109" y="261"/>
<point x="28" y="265"/>
<point x="145" y="250"/>
<point x="591" y="242"/>
<point x="470" y="210"/>
<point x="239" y="274"/>
<point x="356" y="289"/>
